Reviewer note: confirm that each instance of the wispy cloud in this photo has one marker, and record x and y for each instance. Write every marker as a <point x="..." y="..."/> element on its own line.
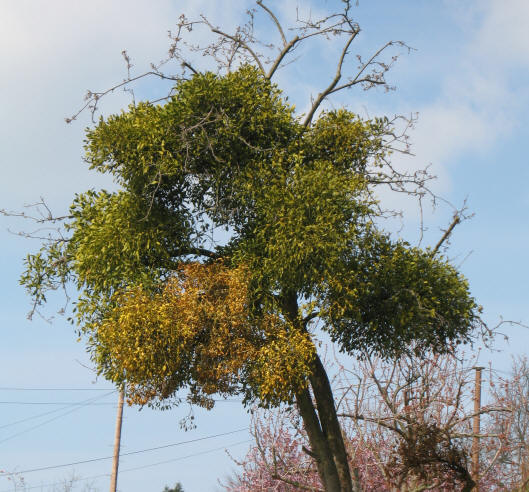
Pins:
<point x="50" y="54"/>
<point x="483" y="92"/>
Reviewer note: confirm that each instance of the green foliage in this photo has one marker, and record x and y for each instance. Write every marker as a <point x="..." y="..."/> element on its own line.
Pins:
<point x="118" y="239"/>
<point x="390" y="296"/>
<point x="193" y="151"/>
<point x="229" y="152"/>
<point x="177" y="488"/>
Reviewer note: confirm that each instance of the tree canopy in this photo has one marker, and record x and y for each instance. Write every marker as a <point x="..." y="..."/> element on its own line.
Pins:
<point x="299" y="225"/>
<point x="177" y="488"/>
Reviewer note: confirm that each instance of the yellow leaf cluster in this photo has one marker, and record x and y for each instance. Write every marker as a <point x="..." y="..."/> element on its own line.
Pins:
<point x="199" y="332"/>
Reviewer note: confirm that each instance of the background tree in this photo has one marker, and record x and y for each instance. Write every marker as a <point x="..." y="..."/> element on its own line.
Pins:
<point x="513" y="393"/>
<point x="167" y="303"/>
<point x="408" y="427"/>
<point x="177" y="488"/>
<point x="69" y="484"/>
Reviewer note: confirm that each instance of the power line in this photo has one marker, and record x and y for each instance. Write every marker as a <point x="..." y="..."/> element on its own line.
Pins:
<point x="78" y="407"/>
<point x="92" y="460"/>
<point x="33" y="417"/>
<point x="11" y="388"/>
<point x="83" y="403"/>
<point x="139" y="467"/>
<point x="67" y="403"/>
<point x="184" y="457"/>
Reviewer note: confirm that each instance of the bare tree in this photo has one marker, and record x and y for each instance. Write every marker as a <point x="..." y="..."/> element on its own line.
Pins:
<point x="407" y="426"/>
<point x="72" y="483"/>
<point x="512" y="391"/>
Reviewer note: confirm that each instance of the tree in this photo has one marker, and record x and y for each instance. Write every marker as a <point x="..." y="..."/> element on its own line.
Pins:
<point x="70" y="484"/>
<point x="177" y="488"/>
<point x="407" y="426"/>
<point x="168" y="303"/>
<point x="513" y="393"/>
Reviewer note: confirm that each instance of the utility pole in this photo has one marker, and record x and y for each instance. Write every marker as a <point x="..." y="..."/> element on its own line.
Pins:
<point x="476" y="428"/>
<point x="117" y="442"/>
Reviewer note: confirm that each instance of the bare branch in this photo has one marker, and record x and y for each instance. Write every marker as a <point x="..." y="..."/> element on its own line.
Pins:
<point x="296" y="484"/>
<point x="274" y="18"/>
<point x="92" y="98"/>
<point x="378" y="77"/>
<point x="44" y="213"/>
<point x="238" y="41"/>
<point x="446" y="235"/>
<point x="289" y="46"/>
<point x="188" y="65"/>
<point x="332" y="85"/>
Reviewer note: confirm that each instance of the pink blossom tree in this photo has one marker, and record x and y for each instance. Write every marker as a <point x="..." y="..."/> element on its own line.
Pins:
<point x="407" y="426"/>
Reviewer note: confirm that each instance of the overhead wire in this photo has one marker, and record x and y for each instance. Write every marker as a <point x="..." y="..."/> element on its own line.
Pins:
<point x="67" y="403"/>
<point x="93" y="477"/>
<point x="129" y="453"/>
<point x="77" y="407"/>
<point x="33" y="417"/>
<point x="187" y="456"/>
<point x="91" y="401"/>
<point x="17" y="388"/>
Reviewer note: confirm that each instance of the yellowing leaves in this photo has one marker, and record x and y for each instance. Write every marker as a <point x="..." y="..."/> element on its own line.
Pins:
<point x="283" y="365"/>
<point x="198" y="331"/>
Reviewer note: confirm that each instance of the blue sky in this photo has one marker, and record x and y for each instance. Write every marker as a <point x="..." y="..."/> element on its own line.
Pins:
<point x="468" y="80"/>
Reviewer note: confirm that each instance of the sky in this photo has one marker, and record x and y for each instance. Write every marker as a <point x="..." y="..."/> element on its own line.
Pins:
<point x="467" y="78"/>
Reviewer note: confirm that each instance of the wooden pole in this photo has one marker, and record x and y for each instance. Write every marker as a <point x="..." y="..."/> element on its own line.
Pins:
<point x="117" y="443"/>
<point x="476" y="428"/>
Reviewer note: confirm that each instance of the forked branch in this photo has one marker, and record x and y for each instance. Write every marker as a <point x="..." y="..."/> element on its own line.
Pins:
<point x="238" y="42"/>
<point x="376" y="77"/>
<point x="332" y="85"/>
<point x="243" y="46"/>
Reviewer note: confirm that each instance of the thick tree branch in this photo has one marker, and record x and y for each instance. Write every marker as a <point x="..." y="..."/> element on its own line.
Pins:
<point x="446" y="235"/>
<point x="274" y="18"/>
<point x="282" y="55"/>
<point x="334" y="82"/>
<point x="189" y="66"/>
<point x="198" y="252"/>
<point x="309" y="318"/>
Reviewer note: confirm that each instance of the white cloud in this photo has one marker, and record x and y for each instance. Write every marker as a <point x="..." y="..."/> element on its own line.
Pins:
<point x="483" y="98"/>
<point x="482" y="83"/>
<point x="50" y="54"/>
<point x="503" y="36"/>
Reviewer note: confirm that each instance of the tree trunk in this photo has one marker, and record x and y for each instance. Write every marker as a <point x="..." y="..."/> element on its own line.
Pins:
<point x="318" y="443"/>
<point x="330" y="424"/>
<point x="322" y="426"/>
